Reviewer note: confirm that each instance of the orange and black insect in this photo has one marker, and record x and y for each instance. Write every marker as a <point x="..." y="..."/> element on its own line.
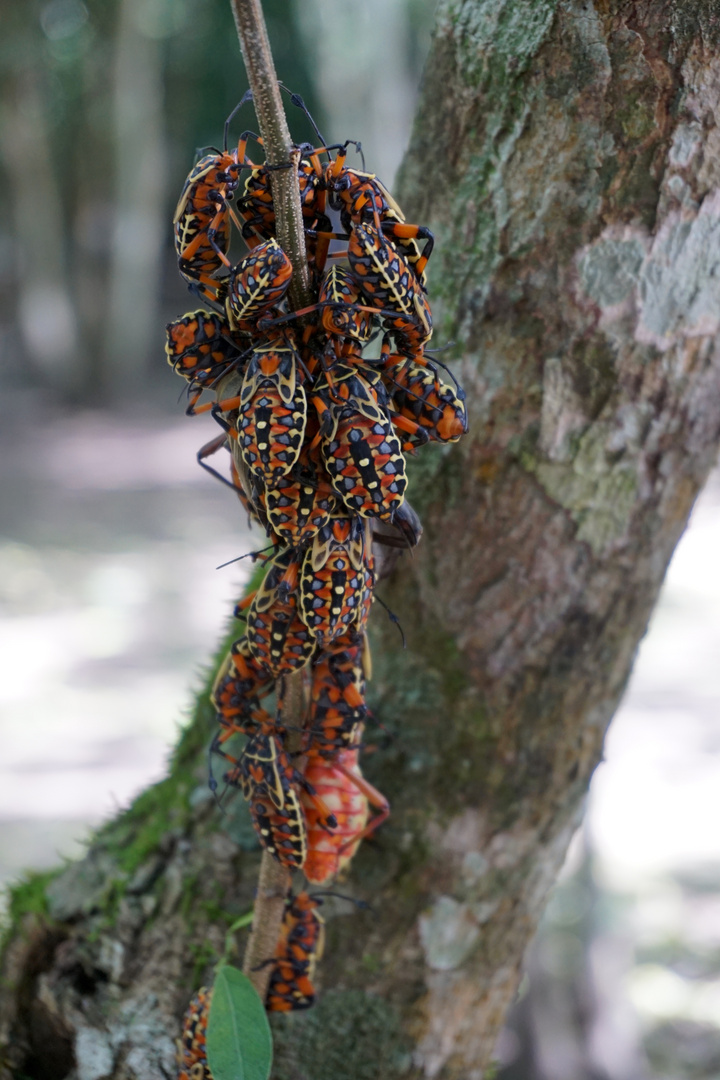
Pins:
<point x="337" y="697"/>
<point x="332" y="577"/>
<point x="201" y="346"/>
<point x="191" y="1051"/>
<point x="271" y="783"/>
<point x="348" y="796"/>
<point x="339" y="300"/>
<point x="299" y="948"/>
<point x="360" y="449"/>
<point x="272" y="410"/>
<point x="301" y="503"/>
<point x="202" y="220"/>
<point x="283" y="834"/>
<point x="202" y="217"/>
<point x="362" y="198"/>
<point x="422" y="397"/>
<point x="278" y="637"/>
<point x="240" y="685"/>
<point x="256" y="205"/>
<point x="388" y="284"/>
<point x="256" y="284"/>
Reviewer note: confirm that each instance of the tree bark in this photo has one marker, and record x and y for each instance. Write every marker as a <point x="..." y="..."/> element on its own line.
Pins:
<point x="567" y="157"/>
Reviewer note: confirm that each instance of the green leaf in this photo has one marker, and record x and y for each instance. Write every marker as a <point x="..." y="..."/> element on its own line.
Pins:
<point x="239" y="1043"/>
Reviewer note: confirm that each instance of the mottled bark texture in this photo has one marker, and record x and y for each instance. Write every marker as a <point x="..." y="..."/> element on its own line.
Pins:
<point x="567" y="156"/>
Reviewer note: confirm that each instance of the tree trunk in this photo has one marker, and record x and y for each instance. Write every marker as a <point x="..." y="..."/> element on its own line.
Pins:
<point x="566" y="156"/>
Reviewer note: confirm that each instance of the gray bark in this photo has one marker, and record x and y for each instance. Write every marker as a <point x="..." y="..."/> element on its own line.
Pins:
<point x="566" y="155"/>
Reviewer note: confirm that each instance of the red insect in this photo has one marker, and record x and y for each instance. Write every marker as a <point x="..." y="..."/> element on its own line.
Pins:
<point x="191" y="1053"/>
<point x="300" y="504"/>
<point x="283" y="834"/>
<point x="339" y="301"/>
<point x="256" y="204"/>
<point x="299" y="948"/>
<point x="362" y="198"/>
<point x="202" y="220"/>
<point x="346" y="793"/>
<point x="331" y="579"/>
<point x="270" y="783"/>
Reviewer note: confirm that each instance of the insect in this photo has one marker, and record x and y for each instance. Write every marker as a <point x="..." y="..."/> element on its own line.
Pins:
<point x="256" y="284"/>
<point x="277" y="636"/>
<point x="270" y="783"/>
<point x="362" y="198"/>
<point x="283" y="834"/>
<point x="421" y="396"/>
<point x="387" y="283"/>
<point x="360" y="449"/>
<point x="299" y="947"/>
<point x="191" y="1055"/>
<point x="203" y="213"/>
<point x="339" y="301"/>
<point x="301" y="503"/>
<point x="256" y="204"/>
<point x="200" y="346"/>
<point x="240" y="684"/>
<point x="272" y="410"/>
<point x="346" y="793"/>
<point x="331" y="578"/>
<point x="337" y="697"/>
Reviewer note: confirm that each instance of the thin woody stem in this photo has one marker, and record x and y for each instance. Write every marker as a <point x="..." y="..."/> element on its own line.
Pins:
<point x="281" y="154"/>
<point x="274" y="880"/>
<point x="280" y="151"/>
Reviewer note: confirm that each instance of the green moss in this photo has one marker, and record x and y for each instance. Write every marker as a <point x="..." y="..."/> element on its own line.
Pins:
<point x="28" y="896"/>
<point x="348" y="1033"/>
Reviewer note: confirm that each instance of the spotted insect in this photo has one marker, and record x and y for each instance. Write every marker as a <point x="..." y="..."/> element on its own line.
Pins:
<point x="299" y="947"/>
<point x="200" y="346"/>
<point x="256" y="284"/>
<point x="332" y="577"/>
<point x="191" y="1048"/>
<point x="362" y="198"/>
<point x="388" y="284"/>
<point x="337" y="697"/>
<point x="278" y="637"/>
<point x="202" y="221"/>
<point x="343" y="315"/>
<point x="360" y="448"/>
<point x="271" y="783"/>
<point x="301" y="503"/>
<point x="420" y="395"/>
<point x="283" y="834"/>
<point x="240" y="685"/>
<point x="272" y="410"/>
<point x="256" y="206"/>
<point x="348" y="795"/>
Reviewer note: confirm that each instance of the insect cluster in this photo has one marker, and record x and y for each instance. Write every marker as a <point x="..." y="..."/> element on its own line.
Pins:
<point x="318" y="408"/>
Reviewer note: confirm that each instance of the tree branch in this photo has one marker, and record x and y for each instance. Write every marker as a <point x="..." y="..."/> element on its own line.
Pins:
<point x="279" y="148"/>
<point x="282" y="155"/>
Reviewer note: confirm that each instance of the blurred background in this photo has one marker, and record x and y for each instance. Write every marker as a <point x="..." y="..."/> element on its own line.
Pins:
<point x="110" y="602"/>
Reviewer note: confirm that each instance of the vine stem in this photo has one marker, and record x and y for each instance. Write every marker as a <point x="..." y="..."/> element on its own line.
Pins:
<point x="274" y="881"/>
